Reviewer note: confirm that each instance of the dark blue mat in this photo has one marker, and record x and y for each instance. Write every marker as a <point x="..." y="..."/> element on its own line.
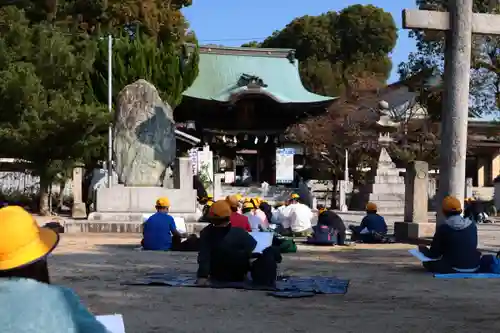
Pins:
<point x="467" y="276"/>
<point x="298" y="285"/>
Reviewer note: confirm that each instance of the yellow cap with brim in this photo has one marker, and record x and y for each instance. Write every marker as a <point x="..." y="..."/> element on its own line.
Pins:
<point x="163" y="202"/>
<point x="22" y="241"/>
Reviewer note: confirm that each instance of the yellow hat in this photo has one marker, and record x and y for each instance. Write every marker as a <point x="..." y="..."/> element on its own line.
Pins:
<point x="232" y="200"/>
<point x="210" y="196"/>
<point x="248" y="205"/>
<point x="294" y="196"/>
<point x="220" y="209"/>
<point x="22" y="241"/>
<point x="255" y="202"/>
<point x="163" y="202"/>
<point x="451" y="204"/>
<point x="371" y="207"/>
<point x="239" y="197"/>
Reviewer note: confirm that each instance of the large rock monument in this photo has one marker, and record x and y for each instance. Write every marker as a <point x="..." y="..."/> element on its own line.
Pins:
<point x="144" y="136"/>
<point x="144" y="150"/>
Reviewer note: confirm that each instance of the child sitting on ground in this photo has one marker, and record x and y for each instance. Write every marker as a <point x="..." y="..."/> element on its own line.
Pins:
<point x="372" y="229"/>
<point x="225" y="251"/>
<point x="454" y="243"/>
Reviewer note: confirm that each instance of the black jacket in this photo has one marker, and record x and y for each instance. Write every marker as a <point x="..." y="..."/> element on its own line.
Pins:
<point x="223" y="246"/>
<point x="456" y="243"/>
<point x="331" y="219"/>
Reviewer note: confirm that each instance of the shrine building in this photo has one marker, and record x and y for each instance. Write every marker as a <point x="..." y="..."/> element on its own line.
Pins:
<point x="241" y="104"/>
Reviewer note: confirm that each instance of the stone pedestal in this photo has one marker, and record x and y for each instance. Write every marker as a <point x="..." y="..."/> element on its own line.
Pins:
<point x="496" y="193"/>
<point x="388" y="188"/>
<point x="79" y="210"/>
<point x="128" y="203"/>
<point x="415" y="223"/>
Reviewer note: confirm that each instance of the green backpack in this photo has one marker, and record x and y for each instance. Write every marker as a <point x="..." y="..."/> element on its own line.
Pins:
<point x="287" y="245"/>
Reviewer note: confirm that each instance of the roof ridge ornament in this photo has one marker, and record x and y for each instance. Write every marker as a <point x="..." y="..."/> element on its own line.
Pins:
<point x="251" y="81"/>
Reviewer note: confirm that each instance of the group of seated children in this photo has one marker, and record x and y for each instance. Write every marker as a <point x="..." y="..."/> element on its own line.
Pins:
<point x="31" y="303"/>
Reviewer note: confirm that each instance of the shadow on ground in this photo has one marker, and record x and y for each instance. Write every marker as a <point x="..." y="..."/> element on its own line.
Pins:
<point x="388" y="292"/>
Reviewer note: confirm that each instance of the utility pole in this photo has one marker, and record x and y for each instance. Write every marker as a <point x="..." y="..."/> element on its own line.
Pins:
<point x="110" y="109"/>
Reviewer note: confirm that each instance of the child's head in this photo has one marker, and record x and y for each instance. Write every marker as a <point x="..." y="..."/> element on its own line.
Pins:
<point x="219" y="213"/>
<point x="162" y="204"/>
<point x="451" y="206"/>
<point x="371" y="208"/>
<point x="233" y="202"/>
<point x="24" y="246"/>
<point x="248" y="207"/>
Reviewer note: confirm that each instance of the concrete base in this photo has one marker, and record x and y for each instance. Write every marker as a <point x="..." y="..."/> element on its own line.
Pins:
<point x="411" y="231"/>
<point x="111" y="217"/>
<point x="120" y="227"/>
<point x="79" y="210"/>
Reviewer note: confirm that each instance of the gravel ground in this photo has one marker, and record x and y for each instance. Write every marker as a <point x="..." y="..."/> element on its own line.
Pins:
<point x="388" y="292"/>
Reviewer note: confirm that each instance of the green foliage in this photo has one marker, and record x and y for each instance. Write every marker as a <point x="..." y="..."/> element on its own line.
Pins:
<point x="253" y="43"/>
<point x="166" y="66"/>
<point x="485" y="69"/>
<point x="336" y="48"/>
<point x="42" y="115"/>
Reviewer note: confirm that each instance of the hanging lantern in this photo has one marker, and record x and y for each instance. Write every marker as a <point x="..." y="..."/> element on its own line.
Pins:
<point x="266" y="139"/>
<point x="245" y="138"/>
<point x="256" y="140"/>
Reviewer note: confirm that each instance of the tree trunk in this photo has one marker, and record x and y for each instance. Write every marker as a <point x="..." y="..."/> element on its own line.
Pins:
<point x="43" y="204"/>
<point x="333" y="202"/>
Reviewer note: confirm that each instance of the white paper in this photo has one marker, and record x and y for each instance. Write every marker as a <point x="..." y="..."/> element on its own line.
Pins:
<point x="264" y="240"/>
<point x="420" y="256"/>
<point x="180" y="223"/>
<point x="113" y="323"/>
<point x="364" y="231"/>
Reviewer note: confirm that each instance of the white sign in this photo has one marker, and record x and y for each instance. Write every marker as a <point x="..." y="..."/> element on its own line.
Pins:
<point x="193" y="156"/>
<point x="284" y="165"/>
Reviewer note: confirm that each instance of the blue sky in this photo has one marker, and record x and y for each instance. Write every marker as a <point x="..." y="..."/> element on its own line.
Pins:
<point x="233" y="22"/>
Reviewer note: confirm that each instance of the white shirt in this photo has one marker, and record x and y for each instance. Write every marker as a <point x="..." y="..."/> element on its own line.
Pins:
<point x="298" y="216"/>
<point x="254" y="221"/>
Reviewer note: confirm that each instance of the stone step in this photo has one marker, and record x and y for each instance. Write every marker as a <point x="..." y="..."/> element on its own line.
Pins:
<point x="120" y="227"/>
<point x="390" y="204"/>
<point x="386" y="197"/>
<point x="389" y="180"/>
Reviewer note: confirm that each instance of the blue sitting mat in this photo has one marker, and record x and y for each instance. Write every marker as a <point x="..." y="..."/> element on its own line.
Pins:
<point x="313" y="284"/>
<point x="467" y="276"/>
<point x="291" y="294"/>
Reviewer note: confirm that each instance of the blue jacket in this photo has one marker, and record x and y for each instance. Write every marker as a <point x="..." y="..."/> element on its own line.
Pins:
<point x="33" y="307"/>
<point x="374" y="222"/>
<point x="455" y="242"/>
<point x="158" y="231"/>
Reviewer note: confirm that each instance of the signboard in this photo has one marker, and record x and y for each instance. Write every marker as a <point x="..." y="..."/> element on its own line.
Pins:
<point x="284" y="165"/>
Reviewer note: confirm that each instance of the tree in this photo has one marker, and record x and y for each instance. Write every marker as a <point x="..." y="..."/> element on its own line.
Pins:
<point x="252" y="43"/>
<point x="335" y="49"/>
<point x="42" y="115"/>
<point x="348" y="124"/>
<point x="485" y="69"/>
<point x="170" y="68"/>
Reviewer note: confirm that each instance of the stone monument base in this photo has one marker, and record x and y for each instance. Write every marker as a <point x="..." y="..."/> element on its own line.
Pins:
<point x="412" y="231"/>
<point x="120" y="227"/>
<point x="135" y="199"/>
<point x="79" y="210"/>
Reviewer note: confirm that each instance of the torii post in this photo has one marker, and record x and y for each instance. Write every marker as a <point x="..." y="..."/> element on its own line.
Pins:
<point x="459" y="24"/>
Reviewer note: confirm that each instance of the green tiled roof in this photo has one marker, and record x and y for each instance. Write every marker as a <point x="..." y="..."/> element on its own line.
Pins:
<point x="224" y="72"/>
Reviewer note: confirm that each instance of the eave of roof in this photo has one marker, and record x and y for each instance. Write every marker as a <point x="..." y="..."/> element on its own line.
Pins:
<point x="227" y="74"/>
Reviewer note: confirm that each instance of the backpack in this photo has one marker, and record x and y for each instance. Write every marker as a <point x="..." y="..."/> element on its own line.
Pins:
<point x="286" y="245"/>
<point x="490" y="264"/>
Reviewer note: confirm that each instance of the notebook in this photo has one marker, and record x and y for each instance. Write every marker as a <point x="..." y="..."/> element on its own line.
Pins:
<point x="420" y="256"/>
<point x="264" y="240"/>
<point x="113" y="323"/>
